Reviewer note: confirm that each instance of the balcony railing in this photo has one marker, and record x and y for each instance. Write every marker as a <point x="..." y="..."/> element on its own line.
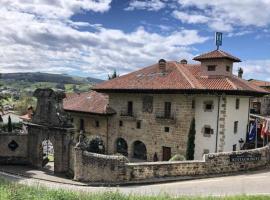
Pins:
<point x="162" y="117"/>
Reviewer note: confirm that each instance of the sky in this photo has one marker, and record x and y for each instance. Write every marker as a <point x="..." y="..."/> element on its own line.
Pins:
<point x="94" y="37"/>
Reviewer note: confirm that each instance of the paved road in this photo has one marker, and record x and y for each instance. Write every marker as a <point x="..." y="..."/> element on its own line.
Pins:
<point x="255" y="183"/>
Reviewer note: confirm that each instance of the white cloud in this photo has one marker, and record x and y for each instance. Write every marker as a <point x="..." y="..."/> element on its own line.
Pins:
<point x="256" y="69"/>
<point x="226" y="14"/>
<point x="53" y="43"/>
<point x="150" y="5"/>
<point x="189" y="18"/>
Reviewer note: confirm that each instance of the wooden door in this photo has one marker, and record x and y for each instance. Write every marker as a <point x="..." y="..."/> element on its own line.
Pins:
<point x="166" y="153"/>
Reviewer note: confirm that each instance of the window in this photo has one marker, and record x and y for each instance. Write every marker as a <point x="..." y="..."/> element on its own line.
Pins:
<point x="71" y="120"/>
<point x="81" y="124"/>
<point x="237" y="104"/>
<point x="120" y="123"/>
<point x="193" y="104"/>
<point x="97" y="123"/>
<point x="138" y="124"/>
<point x="166" y="129"/>
<point x="235" y="128"/>
<point x="208" y="106"/>
<point x="234" y="147"/>
<point x="228" y="68"/>
<point x="148" y="104"/>
<point x="167" y="109"/>
<point x="207" y="131"/>
<point x="211" y="68"/>
<point x="130" y="108"/>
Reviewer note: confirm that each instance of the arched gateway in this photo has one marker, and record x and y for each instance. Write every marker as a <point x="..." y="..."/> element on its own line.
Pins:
<point x="49" y="123"/>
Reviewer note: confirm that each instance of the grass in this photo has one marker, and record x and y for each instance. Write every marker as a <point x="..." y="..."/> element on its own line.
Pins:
<point x="12" y="191"/>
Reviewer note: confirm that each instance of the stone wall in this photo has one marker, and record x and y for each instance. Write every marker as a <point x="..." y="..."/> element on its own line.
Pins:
<point x="13" y="148"/>
<point x="91" y="167"/>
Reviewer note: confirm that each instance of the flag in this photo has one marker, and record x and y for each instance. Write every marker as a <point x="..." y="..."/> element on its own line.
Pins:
<point x="252" y="131"/>
<point x="265" y="129"/>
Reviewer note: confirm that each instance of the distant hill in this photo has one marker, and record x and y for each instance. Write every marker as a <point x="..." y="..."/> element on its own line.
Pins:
<point x="46" y="77"/>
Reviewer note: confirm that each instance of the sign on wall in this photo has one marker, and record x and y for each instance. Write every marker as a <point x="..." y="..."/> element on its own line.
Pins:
<point x="245" y="157"/>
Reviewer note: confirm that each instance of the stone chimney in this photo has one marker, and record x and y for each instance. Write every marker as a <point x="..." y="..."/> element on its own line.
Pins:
<point x="162" y="65"/>
<point x="240" y="72"/>
<point x="183" y="62"/>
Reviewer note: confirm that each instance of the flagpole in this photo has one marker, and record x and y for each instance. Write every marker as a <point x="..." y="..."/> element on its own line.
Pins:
<point x="256" y="133"/>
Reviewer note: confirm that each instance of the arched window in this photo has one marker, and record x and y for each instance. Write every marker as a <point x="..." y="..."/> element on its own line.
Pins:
<point x="121" y="146"/>
<point x="139" y="150"/>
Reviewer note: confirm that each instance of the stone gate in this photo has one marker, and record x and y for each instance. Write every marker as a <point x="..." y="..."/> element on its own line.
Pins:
<point x="49" y="123"/>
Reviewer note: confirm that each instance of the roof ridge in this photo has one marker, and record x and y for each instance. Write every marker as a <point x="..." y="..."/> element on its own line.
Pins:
<point x="231" y="83"/>
<point x="187" y="77"/>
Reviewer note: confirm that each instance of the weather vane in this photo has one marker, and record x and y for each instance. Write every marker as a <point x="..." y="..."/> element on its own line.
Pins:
<point x="218" y="39"/>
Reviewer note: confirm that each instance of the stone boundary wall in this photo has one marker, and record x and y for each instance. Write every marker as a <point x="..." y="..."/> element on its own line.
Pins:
<point x="116" y="169"/>
<point x="91" y="167"/>
<point x="18" y="155"/>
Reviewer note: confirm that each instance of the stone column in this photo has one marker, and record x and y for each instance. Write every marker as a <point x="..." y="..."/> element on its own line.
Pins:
<point x="78" y="163"/>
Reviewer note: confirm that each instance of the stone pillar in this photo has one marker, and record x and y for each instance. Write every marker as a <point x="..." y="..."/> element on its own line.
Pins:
<point x="78" y="163"/>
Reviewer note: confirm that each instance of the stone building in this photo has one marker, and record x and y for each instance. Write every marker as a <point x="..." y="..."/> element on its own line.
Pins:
<point x="260" y="105"/>
<point x="146" y="114"/>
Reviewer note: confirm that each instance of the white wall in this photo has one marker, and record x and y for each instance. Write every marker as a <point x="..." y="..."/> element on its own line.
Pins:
<point x="203" y="118"/>
<point x="240" y="115"/>
<point x="210" y="118"/>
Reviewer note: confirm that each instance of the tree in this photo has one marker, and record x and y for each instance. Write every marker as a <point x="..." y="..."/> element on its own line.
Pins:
<point x="113" y="75"/>
<point x="96" y="146"/>
<point x="9" y="124"/>
<point x="24" y="103"/>
<point x="191" y="141"/>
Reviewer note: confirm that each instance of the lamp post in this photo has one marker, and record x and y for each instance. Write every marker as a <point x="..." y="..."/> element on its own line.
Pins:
<point x="241" y="142"/>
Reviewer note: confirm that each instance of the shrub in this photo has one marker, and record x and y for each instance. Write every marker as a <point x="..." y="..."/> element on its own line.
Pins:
<point x="177" y="157"/>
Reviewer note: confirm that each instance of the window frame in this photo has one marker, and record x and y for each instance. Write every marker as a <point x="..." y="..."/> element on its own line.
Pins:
<point x="167" y="109"/>
<point x="211" y="68"/>
<point x="237" y="104"/>
<point x="235" y="126"/>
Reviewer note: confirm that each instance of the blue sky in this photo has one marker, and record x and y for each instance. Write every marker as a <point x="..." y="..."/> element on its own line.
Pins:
<point x="94" y="37"/>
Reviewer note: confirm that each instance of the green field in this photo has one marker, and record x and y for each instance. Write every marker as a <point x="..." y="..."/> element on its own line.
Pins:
<point x="11" y="191"/>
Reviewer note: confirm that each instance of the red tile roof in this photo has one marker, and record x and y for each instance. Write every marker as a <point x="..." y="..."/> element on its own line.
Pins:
<point x="177" y="78"/>
<point x="88" y="102"/>
<point x="216" y="54"/>
<point x="259" y="83"/>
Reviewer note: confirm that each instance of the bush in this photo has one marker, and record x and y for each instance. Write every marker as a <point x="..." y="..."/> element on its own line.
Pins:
<point x="177" y="157"/>
<point x="96" y="145"/>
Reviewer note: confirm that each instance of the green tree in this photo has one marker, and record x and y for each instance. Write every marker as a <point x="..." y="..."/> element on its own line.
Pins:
<point x="191" y="141"/>
<point x="113" y="75"/>
<point x="24" y="103"/>
<point x="9" y="124"/>
<point x="96" y="145"/>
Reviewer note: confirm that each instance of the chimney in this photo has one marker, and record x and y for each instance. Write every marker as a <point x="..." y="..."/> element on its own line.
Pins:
<point x="162" y="65"/>
<point x="240" y="72"/>
<point x="183" y="62"/>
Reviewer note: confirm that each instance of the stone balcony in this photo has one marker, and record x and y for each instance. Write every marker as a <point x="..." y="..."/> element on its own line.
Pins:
<point x="161" y="118"/>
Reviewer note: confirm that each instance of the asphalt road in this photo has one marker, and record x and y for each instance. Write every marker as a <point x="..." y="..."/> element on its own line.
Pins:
<point x="249" y="184"/>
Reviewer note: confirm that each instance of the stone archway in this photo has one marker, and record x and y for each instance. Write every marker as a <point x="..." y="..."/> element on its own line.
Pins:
<point x="47" y="154"/>
<point x="121" y="146"/>
<point x="50" y="123"/>
<point x="139" y="150"/>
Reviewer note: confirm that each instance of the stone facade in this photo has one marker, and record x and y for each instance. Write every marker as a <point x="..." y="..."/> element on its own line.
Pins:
<point x="152" y="124"/>
<point x="94" y="125"/>
<point x="13" y="148"/>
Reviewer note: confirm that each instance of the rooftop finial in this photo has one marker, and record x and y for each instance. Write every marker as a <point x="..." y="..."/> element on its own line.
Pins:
<point x="218" y="39"/>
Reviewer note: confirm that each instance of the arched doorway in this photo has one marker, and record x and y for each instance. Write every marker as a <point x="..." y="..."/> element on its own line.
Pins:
<point x="47" y="155"/>
<point x="139" y="150"/>
<point x="121" y="146"/>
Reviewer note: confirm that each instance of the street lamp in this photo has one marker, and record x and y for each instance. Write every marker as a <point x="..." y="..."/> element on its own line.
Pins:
<point x="241" y="142"/>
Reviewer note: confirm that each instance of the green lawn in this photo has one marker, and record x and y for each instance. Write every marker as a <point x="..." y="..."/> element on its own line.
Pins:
<point x="11" y="191"/>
